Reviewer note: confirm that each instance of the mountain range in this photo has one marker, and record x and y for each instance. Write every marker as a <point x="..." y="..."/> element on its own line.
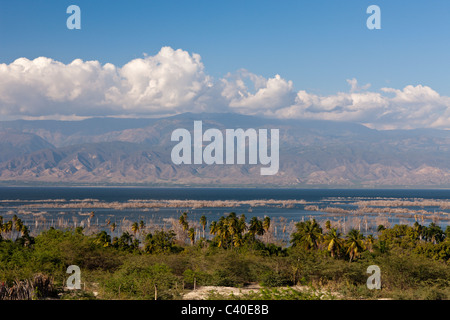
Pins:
<point x="313" y="153"/>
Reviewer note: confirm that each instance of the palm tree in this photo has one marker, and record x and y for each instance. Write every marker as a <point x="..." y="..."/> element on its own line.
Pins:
<point x="24" y="231"/>
<point x="232" y="226"/>
<point x="126" y="238"/>
<point x="313" y="233"/>
<point x="238" y="240"/>
<point x="242" y="225"/>
<point x="18" y="225"/>
<point x="255" y="228"/>
<point x="328" y="225"/>
<point x="434" y="233"/>
<point x="103" y="239"/>
<point x="334" y="242"/>
<point x="369" y="242"/>
<point x="135" y="228"/>
<point x="8" y="227"/>
<point x="266" y="223"/>
<point x="232" y="215"/>
<point x="183" y="221"/>
<point x="213" y="228"/>
<point x="222" y="232"/>
<point x="266" y="227"/>
<point x="26" y="236"/>
<point x="13" y="225"/>
<point x="191" y="234"/>
<point x="216" y="229"/>
<point x="418" y="230"/>
<point x="203" y="223"/>
<point x="355" y="244"/>
<point x="112" y="227"/>
<point x="308" y="233"/>
<point x="141" y="225"/>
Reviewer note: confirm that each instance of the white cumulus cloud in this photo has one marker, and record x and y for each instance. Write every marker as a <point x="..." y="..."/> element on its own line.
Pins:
<point x="174" y="81"/>
<point x="170" y="80"/>
<point x="259" y="94"/>
<point x="412" y="107"/>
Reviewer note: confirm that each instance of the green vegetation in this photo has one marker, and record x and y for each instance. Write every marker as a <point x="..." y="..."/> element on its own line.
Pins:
<point x="318" y="263"/>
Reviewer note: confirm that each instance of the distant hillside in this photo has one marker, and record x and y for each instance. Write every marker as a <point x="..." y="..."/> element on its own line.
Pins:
<point x="14" y="144"/>
<point x="137" y="151"/>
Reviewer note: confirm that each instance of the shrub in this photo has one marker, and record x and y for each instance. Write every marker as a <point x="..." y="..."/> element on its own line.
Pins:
<point x="274" y="279"/>
<point x="141" y="282"/>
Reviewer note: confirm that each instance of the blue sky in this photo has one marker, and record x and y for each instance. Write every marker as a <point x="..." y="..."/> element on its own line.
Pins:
<point x="299" y="57"/>
<point x="316" y="44"/>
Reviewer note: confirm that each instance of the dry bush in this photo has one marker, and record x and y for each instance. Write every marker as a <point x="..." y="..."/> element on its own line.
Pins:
<point x="40" y="287"/>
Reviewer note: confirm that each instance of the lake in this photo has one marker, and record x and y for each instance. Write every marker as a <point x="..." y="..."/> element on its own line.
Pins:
<point x="96" y="207"/>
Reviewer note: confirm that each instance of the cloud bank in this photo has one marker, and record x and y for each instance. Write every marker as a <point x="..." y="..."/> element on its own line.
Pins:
<point x="175" y="81"/>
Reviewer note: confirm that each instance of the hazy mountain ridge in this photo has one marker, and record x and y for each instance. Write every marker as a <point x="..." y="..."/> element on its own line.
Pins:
<point x="137" y="151"/>
<point x="13" y="144"/>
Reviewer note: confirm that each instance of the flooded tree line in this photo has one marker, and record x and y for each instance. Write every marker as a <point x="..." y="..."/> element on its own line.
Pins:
<point x="343" y="214"/>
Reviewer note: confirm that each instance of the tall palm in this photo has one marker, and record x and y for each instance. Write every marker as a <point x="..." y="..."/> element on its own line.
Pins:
<point x="24" y="231"/>
<point x="309" y="233"/>
<point x="334" y="242"/>
<point x="255" y="228"/>
<point x="222" y="232"/>
<point x="369" y="242"/>
<point x="355" y="244"/>
<point x="232" y="226"/>
<point x="126" y="238"/>
<point x="232" y="215"/>
<point x="203" y="223"/>
<point x="418" y="230"/>
<point x="13" y="225"/>
<point x="103" y="239"/>
<point x="216" y="229"/>
<point x="238" y="240"/>
<point x="18" y="225"/>
<point x="183" y="221"/>
<point x="434" y="233"/>
<point x="112" y="227"/>
<point x="213" y="228"/>
<point x="191" y="235"/>
<point x="266" y="223"/>
<point x="135" y="228"/>
<point x="242" y="225"/>
<point x="8" y="227"/>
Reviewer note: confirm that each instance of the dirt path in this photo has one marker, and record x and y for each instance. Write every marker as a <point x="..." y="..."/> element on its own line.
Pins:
<point x="202" y="293"/>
